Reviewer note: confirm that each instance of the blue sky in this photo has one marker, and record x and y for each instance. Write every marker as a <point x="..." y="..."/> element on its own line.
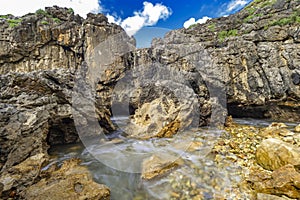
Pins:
<point x="180" y="11"/>
<point x="170" y="14"/>
<point x="143" y="19"/>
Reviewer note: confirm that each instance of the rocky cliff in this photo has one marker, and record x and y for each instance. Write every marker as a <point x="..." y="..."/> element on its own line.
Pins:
<point x="248" y="63"/>
<point x="39" y="56"/>
<point x="257" y="51"/>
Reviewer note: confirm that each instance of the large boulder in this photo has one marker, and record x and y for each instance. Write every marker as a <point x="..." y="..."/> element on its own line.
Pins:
<point x="71" y="181"/>
<point x="272" y="154"/>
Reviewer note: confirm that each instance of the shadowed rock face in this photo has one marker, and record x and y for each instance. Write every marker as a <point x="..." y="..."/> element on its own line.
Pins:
<point x="39" y="58"/>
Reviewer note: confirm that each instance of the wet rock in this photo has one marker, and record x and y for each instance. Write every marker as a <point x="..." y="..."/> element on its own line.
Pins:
<point x="157" y="166"/>
<point x="273" y="153"/>
<point x="1" y="188"/>
<point x="262" y="196"/>
<point x="71" y="181"/>
<point x="275" y="130"/>
<point x="276" y="125"/>
<point x="35" y="112"/>
<point x="24" y="174"/>
<point x="162" y="117"/>
<point x="149" y="122"/>
<point x="283" y="181"/>
<point x="229" y="121"/>
<point x="163" y="97"/>
<point x="194" y="146"/>
<point x="297" y="129"/>
<point x="297" y="139"/>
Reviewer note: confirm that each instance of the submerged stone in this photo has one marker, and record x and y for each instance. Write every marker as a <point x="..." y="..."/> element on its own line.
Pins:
<point x="157" y="166"/>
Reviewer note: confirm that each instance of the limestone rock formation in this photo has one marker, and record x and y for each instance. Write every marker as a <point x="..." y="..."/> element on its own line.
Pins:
<point x="283" y="181"/>
<point x="23" y="174"/>
<point x="273" y="153"/>
<point x="71" y="181"/>
<point x="156" y="92"/>
<point x="39" y="56"/>
<point x="255" y="51"/>
<point x="248" y="62"/>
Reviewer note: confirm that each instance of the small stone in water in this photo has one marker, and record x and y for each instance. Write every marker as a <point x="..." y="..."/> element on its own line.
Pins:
<point x="277" y="125"/>
<point x="174" y="194"/>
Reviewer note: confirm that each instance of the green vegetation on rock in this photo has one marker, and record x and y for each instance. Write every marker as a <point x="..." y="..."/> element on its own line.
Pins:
<point x="44" y="22"/>
<point x="45" y="14"/>
<point x="212" y="27"/>
<point x="250" y="17"/>
<point x="3" y="16"/>
<point x="56" y="20"/>
<point x="192" y="26"/>
<point x="226" y="34"/>
<point x="41" y="12"/>
<point x="251" y="10"/>
<point x="14" y="22"/>
<point x="70" y="11"/>
<point x="259" y="4"/>
<point x="293" y="19"/>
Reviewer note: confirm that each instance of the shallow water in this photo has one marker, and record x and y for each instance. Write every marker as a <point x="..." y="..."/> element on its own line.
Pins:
<point x="118" y="165"/>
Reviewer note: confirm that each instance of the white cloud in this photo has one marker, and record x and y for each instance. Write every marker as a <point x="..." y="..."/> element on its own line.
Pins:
<point x="149" y="16"/>
<point x="192" y="21"/>
<point x="133" y="24"/>
<point x="236" y="4"/>
<point x="231" y="7"/>
<point x="113" y="19"/>
<point x="19" y="8"/>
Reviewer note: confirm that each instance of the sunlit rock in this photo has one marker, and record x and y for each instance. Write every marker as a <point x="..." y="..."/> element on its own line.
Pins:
<point x="297" y="129"/>
<point x="283" y="181"/>
<point x="272" y="154"/>
<point x="71" y="181"/>
<point x="157" y="166"/>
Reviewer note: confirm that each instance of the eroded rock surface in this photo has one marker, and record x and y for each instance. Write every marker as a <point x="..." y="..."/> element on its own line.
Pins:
<point x="273" y="153"/>
<point x="158" y="166"/>
<point x="249" y="61"/>
<point x="256" y="54"/>
<point x="283" y="181"/>
<point x="39" y="58"/>
<point x="71" y="181"/>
